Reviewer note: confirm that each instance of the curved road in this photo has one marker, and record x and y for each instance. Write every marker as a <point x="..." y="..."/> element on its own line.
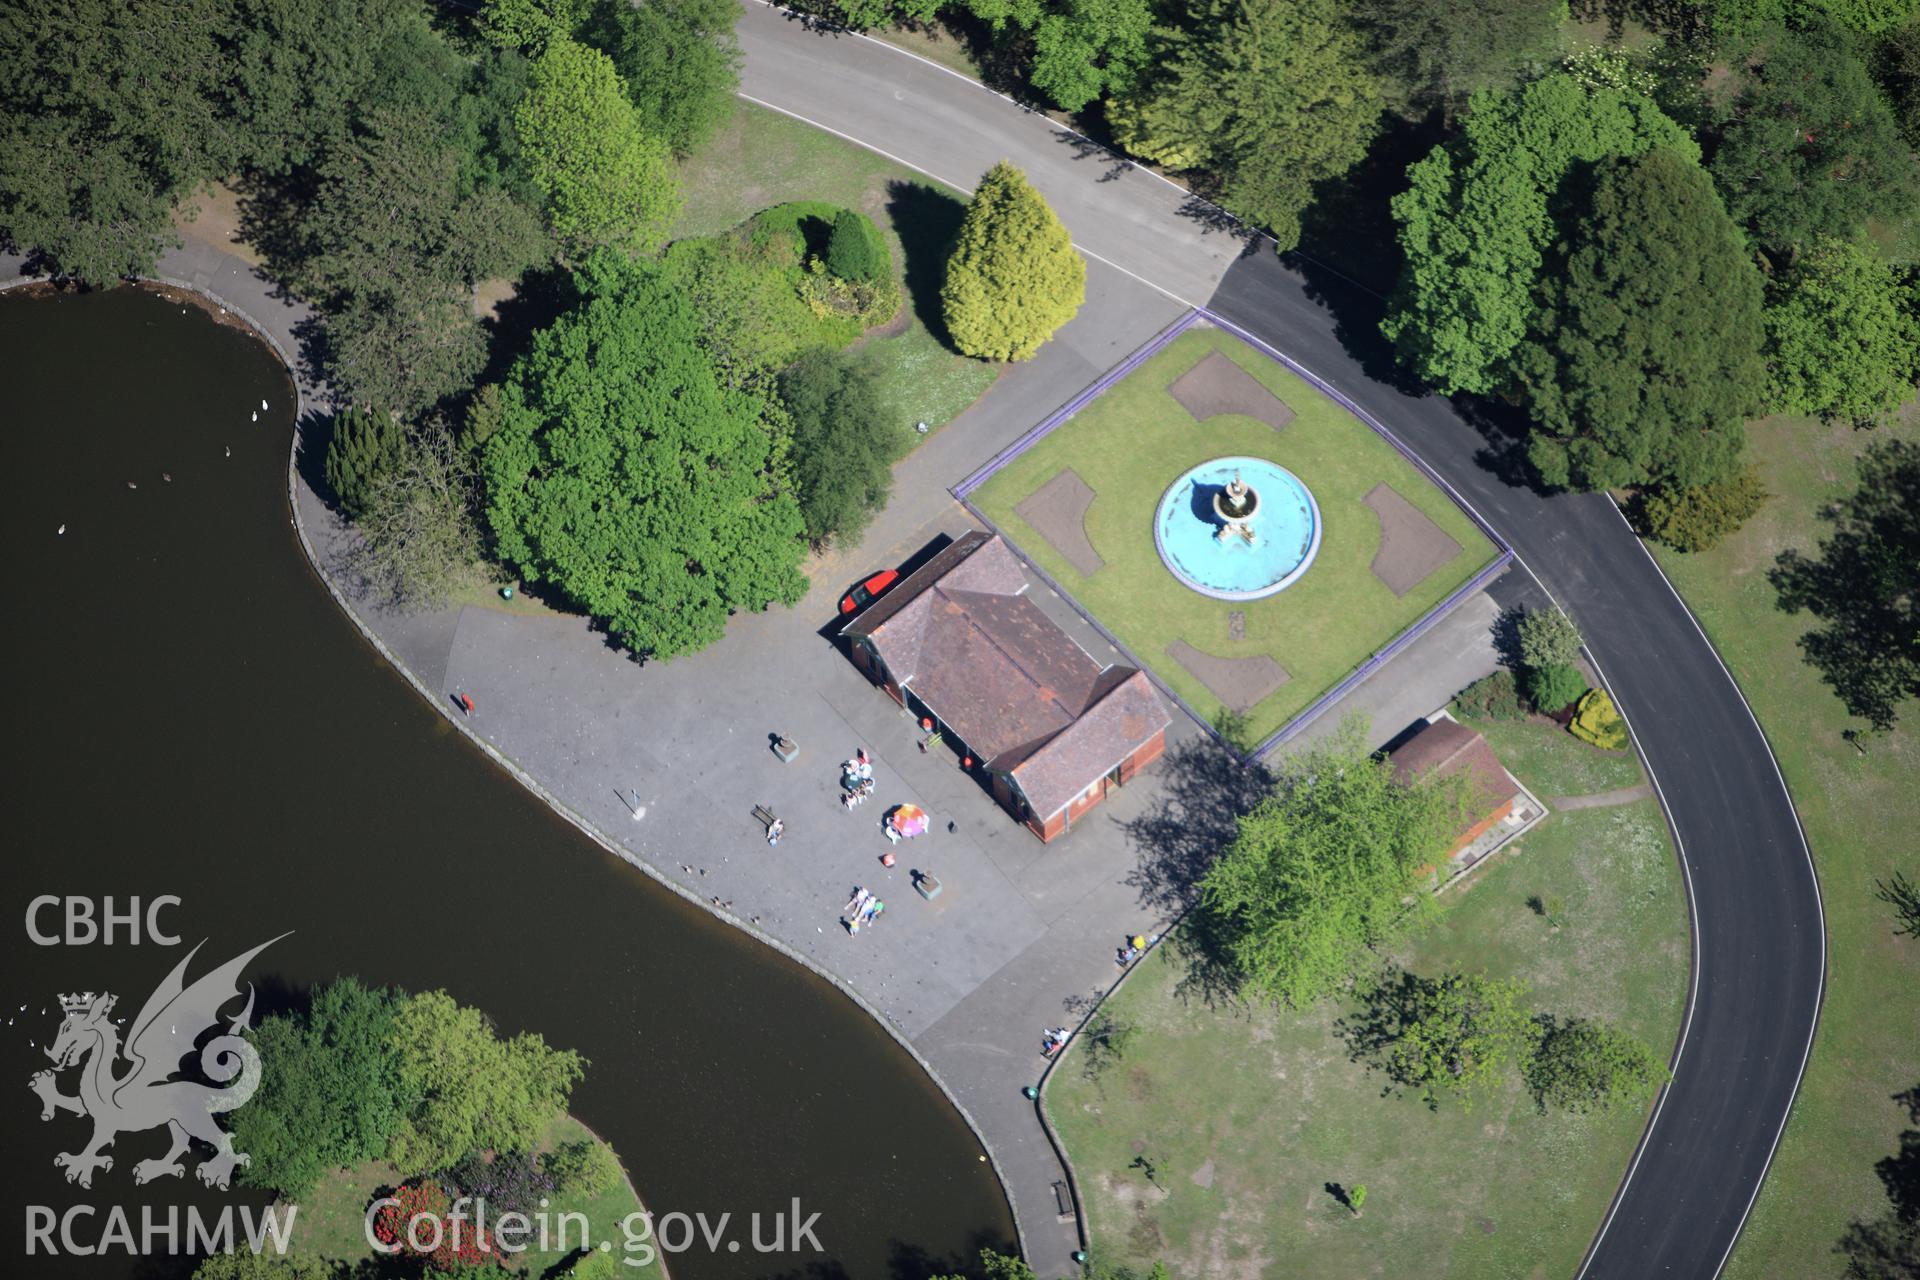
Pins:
<point x="1758" y="932"/>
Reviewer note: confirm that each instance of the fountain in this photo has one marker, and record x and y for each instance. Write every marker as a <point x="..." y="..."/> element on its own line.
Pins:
<point x="1205" y="528"/>
<point x="1236" y="503"/>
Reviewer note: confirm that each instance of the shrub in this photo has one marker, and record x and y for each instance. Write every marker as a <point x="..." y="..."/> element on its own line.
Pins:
<point x="868" y="303"/>
<point x="1548" y="638"/>
<point x="1497" y="697"/>
<point x="595" y="1266"/>
<point x="587" y="1167"/>
<point x="1596" y="721"/>
<point x="1553" y="686"/>
<point x="455" y="1244"/>
<point x="510" y="1182"/>
<point x="855" y="249"/>
<point x="366" y="445"/>
<point x="1583" y="1065"/>
<point x="1697" y="519"/>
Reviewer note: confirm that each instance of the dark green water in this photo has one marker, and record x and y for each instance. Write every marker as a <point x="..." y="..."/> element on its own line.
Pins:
<point x="189" y="714"/>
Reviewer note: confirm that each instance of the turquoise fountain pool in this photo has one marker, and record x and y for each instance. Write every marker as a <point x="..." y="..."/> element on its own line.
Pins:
<point x="1285" y="528"/>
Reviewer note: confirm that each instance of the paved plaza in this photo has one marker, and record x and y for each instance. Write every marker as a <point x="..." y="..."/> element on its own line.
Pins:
<point x="1023" y="935"/>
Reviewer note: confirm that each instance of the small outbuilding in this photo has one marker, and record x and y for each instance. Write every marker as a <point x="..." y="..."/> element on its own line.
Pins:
<point x="961" y="643"/>
<point x="1497" y="806"/>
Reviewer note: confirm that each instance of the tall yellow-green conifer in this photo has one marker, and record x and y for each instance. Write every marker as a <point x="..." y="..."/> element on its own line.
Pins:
<point x="1014" y="277"/>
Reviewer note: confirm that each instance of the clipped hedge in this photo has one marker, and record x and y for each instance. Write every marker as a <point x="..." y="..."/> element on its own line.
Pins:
<point x="1596" y="721"/>
<point x="1497" y="697"/>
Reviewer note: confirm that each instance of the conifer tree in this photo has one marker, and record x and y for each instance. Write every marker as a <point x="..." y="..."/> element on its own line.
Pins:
<point x="1014" y="277"/>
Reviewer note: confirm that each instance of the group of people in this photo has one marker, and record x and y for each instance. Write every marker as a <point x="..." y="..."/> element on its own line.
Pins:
<point x="856" y="779"/>
<point x="1054" y="1038"/>
<point x="861" y="909"/>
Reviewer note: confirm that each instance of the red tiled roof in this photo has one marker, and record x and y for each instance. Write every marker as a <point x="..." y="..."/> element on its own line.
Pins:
<point x="1124" y="715"/>
<point x="1445" y="749"/>
<point x="1004" y="678"/>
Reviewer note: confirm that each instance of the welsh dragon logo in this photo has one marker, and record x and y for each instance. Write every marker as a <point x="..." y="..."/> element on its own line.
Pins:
<point x="147" y="1095"/>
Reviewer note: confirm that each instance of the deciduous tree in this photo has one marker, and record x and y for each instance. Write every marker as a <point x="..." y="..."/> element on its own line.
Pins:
<point x="1476" y="221"/>
<point x="1864" y="588"/>
<point x="624" y="474"/>
<point x="1460" y="1035"/>
<point x="1642" y="362"/>
<point x="1583" y="1064"/>
<point x="475" y="1091"/>
<point x="1321" y="871"/>
<point x="1843" y="335"/>
<point x="605" y="179"/>
<point x="843" y="445"/>
<point x="1433" y="55"/>
<point x="1271" y="95"/>
<point x="109" y="112"/>
<point x="1087" y="49"/>
<point x="1014" y="277"/>
<point x="396" y="253"/>
<point x="1812" y="148"/>
<point x="330" y="1094"/>
<point x="420" y="541"/>
<point x="679" y="59"/>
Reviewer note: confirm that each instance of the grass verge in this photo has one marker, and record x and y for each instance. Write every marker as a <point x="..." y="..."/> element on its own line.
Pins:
<point x="762" y="158"/>
<point x="1554" y="762"/>
<point x="1860" y="813"/>
<point x="1245" y="1116"/>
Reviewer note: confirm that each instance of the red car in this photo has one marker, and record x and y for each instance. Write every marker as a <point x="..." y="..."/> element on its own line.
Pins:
<point x="867" y="592"/>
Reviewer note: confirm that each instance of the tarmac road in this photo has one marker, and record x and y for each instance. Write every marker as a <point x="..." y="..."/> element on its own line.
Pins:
<point x="1758" y="932"/>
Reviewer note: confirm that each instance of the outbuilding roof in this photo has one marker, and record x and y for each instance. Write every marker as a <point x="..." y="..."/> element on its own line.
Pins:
<point x="1445" y="749"/>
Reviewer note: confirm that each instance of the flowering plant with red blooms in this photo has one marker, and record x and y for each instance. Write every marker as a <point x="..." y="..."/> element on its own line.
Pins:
<point x="460" y="1243"/>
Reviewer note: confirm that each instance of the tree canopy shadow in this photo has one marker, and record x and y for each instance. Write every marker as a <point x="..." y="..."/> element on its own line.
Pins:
<point x="542" y="296"/>
<point x="908" y="1261"/>
<point x="927" y="220"/>
<point x="1386" y="1006"/>
<point x="1890" y="1244"/>
<point x="1206" y="791"/>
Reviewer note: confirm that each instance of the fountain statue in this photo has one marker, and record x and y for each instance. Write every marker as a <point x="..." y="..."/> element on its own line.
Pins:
<point x="1236" y="504"/>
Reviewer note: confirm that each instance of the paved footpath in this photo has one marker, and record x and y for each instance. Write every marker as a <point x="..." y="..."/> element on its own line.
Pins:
<point x="1023" y="935"/>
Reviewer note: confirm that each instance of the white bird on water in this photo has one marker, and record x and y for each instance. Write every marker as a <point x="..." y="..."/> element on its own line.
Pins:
<point x="60" y="530"/>
<point x="263" y="404"/>
<point x="229" y="449"/>
<point x="256" y="417"/>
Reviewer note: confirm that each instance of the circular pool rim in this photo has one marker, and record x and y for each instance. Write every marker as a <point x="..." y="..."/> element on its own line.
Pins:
<point x="1280" y="584"/>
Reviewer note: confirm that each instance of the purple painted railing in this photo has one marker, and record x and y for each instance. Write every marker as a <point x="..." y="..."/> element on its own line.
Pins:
<point x="1292" y="729"/>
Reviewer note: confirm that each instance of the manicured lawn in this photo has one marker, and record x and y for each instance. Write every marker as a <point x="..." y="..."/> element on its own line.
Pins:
<point x="1246" y="1114"/>
<point x="1552" y="761"/>
<point x="1860" y="814"/>
<point x="1135" y="440"/>
<point x="332" y="1219"/>
<point x="763" y="158"/>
